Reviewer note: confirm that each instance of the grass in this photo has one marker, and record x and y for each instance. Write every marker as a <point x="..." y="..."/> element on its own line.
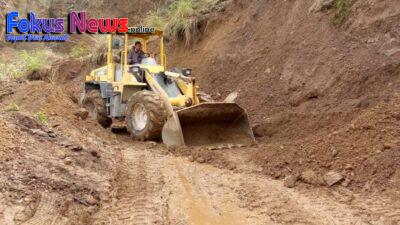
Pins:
<point x="12" y="107"/>
<point x="24" y="63"/>
<point x="180" y="19"/>
<point x="155" y="19"/>
<point x="341" y="10"/>
<point x="34" y="60"/>
<point x="79" y="51"/>
<point x="41" y="116"/>
<point x="8" y="71"/>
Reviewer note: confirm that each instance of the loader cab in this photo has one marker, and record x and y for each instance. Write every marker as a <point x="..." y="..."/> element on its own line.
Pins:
<point x="121" y="44"/>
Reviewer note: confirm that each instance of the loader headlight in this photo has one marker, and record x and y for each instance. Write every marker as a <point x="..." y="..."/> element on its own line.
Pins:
<point x="187" y="72"/>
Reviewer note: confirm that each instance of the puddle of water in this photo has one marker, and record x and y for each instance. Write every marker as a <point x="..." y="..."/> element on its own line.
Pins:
<point x="200" y="212"/>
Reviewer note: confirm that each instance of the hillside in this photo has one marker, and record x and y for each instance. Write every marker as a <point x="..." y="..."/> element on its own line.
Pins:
<point x="319" y="80"/>
<point x="311" y="87"/>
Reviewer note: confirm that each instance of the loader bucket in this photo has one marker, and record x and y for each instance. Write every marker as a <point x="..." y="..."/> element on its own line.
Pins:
<point x="208" y="124"/>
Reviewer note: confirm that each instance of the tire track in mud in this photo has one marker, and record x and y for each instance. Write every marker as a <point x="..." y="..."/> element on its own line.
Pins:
<point x="377" y="212"/>
<point x="139" y="196"/>
<point x="261" y="200"/>
<point x="46" y="213"/>
<point x="154" y="188"/>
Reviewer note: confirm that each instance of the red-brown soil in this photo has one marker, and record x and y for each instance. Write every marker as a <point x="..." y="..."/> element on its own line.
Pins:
<point x="320" y="97"/>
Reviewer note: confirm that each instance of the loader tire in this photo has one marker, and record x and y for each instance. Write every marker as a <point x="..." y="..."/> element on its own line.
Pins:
<point x="95" y="105"/>
<point x="145" y="116"/>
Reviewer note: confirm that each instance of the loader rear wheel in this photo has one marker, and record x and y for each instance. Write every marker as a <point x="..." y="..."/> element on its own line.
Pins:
<point x="145" y="115"/>
<point x="95" y="105"/>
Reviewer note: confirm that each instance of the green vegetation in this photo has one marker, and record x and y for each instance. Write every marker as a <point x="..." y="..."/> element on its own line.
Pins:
<point x="12" y="107"/>
<point x="8" y="71"/>
<point x="341" y="10"/>
<point x="155" y="19"/>
<point x="181" y="18"/>
<point x="33" y="60"/>
<point x="42" y="118"/>
<point x="25" y="63"/>
<point x="79" y="51"/>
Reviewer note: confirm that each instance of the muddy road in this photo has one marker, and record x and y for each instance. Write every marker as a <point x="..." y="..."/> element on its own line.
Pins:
<point x="155" y="187"/>
<point x="72" y="171"/>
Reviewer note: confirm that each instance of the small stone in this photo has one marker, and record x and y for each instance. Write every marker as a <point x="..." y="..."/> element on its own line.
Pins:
<point x="349" y="167"/>
<point x="39" y="132"/>
<point x="387" y="146"/>
<point x="200" y="160"/>
<point x="290" y="181"/>
<point x="334" y="153"/>
<point x="231" y="167"/>
<point x="311" y="177"/>
<point x="95" y="154"/>
<point x="68" y="161"/>
<point x="151" y="144"/>
<point x="76" y="148"/>
<point x="51" y="134"/>
<point x="191" y="158"/>
<point x="346" y="182"/>
<point x="89" y="199"/>
<point x="321" y="5"/>
<point x="332" y="178"/>
<point x="82" y="113"/>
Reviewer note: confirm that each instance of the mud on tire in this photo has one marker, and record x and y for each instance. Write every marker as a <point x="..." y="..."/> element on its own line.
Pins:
<point x="145" y="115"/>
<point x="95" y="105"/>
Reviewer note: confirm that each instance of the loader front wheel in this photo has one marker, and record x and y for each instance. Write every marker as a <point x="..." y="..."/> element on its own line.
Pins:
<point x="145" y="115"/>
<point x="95" y="105"/>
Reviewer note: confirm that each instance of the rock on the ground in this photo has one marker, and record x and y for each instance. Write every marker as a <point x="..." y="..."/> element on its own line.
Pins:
<point x="200" y="160"/>
<point x="290" y="181"/>
<point x="68" y="161"/>
<point x="76" y="147"/>
<point x="39" y="132"/>
<point x="320" y="5"/>
<point x="332" y="178"/>
<point x="311" y="177"/>
<point x="89" y="199"/>
<point x="151" y="144"/>
<point x="82" y="113"/>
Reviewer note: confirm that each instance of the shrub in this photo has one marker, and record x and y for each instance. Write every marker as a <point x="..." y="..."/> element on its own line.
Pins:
<point x="181" y="18"/>
<point x="8" y="71"/>
<point x="341" y="10"/>
<point x="79" y="51"/>
<point x="155" y="19"/>
<point x="33" y="60"/>
<point x="12" y="107"/>
<point x="42" y="118"/>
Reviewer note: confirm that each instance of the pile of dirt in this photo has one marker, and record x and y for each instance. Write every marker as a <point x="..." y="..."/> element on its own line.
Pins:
<point x="309" y="86"/>
<point x="365" y="152"/>
<point x="52" y="162"/>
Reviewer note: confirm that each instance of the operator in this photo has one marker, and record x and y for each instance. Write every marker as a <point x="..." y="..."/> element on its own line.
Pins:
<point x="136" y="55"/>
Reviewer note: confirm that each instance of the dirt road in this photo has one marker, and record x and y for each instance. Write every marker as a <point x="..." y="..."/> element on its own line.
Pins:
<point x="158" y="188"/>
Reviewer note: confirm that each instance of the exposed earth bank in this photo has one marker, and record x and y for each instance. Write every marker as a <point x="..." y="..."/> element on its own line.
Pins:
<point x="323" y="99"/>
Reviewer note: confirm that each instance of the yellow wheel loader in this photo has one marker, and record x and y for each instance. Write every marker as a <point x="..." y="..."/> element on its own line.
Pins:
<point x="156" y="102"/>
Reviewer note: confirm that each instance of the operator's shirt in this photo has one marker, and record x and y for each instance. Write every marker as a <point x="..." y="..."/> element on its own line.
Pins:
<point x="135" y="57"/>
